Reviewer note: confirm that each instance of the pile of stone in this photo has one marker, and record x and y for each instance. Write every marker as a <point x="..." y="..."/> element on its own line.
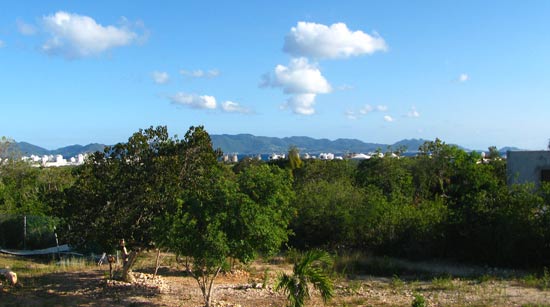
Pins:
<point x="224" y="304"/>
<point x="143" y="283"/>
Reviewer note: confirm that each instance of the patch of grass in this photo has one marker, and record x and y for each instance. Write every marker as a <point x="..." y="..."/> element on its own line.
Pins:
<point x="355" y="286"/>
<point x="484" y="278"/>
<point x="265" y="278"/>
<point x="418" y="301"/>
<point x="28" y="267"/>
<point x="541" y="282"/>
<point x="443" y="283"/>
<point x="396" y="282"/>
<point x="356" y="301"/>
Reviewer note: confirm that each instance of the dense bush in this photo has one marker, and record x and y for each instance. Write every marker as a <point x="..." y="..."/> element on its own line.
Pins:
<point x="443" y="203"/>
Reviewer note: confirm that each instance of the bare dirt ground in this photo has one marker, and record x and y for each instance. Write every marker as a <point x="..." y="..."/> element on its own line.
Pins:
<point x="89" y="286"/>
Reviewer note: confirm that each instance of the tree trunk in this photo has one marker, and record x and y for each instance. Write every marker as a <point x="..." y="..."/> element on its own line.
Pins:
<point x="127" y="268"/>
<point x="157" y="263"/>
<point x="206" y="281"/>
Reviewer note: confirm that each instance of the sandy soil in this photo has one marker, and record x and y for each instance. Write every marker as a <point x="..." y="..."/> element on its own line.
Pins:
<point x="171" y="288"/>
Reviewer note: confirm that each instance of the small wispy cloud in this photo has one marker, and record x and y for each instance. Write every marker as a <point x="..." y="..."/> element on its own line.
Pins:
<point x="160" y="77"/>
<point x="344" y="87"/>
<point x="234" y="107"/>
<point x="2" y="44"/>
<point x="194" y="101"/>
<point x="351" y="115"/>
<point x="25" y="28"/>
<point x="368" y="109"/>
<point x="413" y="113"/>
<point x="199" y="73"/>
<point x="207" y="102"/>
<point x="463" y="77"/>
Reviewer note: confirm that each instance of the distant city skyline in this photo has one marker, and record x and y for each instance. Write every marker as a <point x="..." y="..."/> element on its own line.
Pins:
<point x="470" y="73"/>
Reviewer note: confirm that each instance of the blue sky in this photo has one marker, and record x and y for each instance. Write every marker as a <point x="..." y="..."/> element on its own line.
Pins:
<point x="474" y="73"/>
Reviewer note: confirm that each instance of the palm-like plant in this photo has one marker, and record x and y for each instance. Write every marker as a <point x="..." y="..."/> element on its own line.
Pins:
<point x="311" y="269"/>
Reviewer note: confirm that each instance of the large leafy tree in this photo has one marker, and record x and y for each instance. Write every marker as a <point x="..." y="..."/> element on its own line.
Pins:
<point x="221" y="215"/>
<point x="120" y="191"/>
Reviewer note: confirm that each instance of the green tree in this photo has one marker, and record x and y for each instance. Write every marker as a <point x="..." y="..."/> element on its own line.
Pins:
<point x="294" y="157"/>
<point x="393" y="176"/>
<point x="119" y="192"/>
<point x="311" y="269"/>
<point x="327" y="214"/>
<point x="221" y="215"/>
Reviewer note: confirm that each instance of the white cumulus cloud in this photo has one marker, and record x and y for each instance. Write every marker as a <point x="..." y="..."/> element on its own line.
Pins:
<point x="388" y="118"/>
<point x="233" y="107"/>
<point x="194" y="101"/>
<point x="25" y="28"/>
<point x="160" y="77"/>
<point x="302" y="104"/>
<point x="315" y="40"/>
<point x="300" y="79"/>
<point x="75" y="36"/>
<point x="199" y="73"/>
<point x="463" y="78"/>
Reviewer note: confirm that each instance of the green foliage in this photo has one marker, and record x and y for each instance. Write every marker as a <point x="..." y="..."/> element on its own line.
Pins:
<point x="444" y="203"/>
<point x="541" y="282"/>
<point x="443" y="283"/>
<point x="418" y="301"/>
<point x="396" y="282"/>
<point x="120" y="191"/>
<point x="220" y="214"/>
<point x="311" y="269"/>
<point x="328" y="214"/>
<point x="294" y="158"/>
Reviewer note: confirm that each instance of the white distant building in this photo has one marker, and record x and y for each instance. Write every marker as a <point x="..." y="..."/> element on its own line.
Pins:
<point x="275" y="156"/>
<point x="360" y="156"/>
<point x="326" y="156"/>
<point x="54" y="161"/>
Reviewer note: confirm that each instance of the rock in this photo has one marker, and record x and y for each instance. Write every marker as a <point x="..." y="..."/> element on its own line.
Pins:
<point x="9" y="275"/>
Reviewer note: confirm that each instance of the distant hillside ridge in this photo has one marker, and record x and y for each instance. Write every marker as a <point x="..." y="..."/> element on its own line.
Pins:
<point x="27" y="149"/>
<point x="248" y="144"/>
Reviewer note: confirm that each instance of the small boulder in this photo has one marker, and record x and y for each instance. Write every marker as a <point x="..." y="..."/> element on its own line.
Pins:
<point x="9" y="276"/>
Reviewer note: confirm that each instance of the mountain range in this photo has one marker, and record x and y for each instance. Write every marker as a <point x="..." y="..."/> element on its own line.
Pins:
<point x="249" y="144"/>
